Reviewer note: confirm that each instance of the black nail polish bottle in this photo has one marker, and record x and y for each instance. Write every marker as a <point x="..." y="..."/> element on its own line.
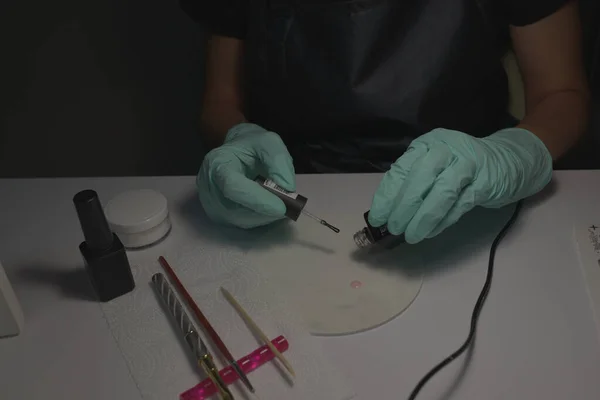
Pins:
<point x="105" y="258"/>
<point x="371" y="235"/>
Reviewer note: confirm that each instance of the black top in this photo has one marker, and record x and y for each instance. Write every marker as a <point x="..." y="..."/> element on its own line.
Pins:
<point x="368" y="98"/>
<point x="228" y="17"/>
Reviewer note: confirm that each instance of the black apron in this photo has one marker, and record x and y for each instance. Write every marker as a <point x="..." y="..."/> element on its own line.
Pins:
<point x="349" y="84"/>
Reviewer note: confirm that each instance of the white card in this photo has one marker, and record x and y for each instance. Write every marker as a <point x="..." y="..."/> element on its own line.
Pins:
<point x="11" y="315"/>
<point x="588" y="242"/>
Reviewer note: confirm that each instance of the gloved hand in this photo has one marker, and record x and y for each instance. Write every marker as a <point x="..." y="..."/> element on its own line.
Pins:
<point x="225" y="181"/>
<point x="445" y="173"/>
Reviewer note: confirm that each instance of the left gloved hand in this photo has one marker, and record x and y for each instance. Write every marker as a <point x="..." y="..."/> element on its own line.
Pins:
<point x="445" y="173"/>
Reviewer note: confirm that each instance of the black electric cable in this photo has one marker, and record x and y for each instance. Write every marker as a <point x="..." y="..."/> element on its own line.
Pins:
<point x="476" y="310"/>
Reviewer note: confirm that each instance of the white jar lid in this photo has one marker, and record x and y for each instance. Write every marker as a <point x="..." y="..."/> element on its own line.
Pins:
<point x="136" y="211"/>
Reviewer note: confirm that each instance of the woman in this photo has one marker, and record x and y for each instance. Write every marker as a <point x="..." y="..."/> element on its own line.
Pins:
<point x="412" y="87"/>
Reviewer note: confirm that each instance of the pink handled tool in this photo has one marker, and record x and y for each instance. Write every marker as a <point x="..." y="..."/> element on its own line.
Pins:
<point x="249" y="363"/>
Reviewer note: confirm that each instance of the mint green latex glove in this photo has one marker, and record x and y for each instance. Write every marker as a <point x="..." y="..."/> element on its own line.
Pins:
<point x="446" y="173"/>
<point x="226" y="184"/>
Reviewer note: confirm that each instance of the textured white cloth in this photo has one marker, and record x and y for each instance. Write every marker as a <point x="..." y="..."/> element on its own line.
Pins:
<point x="158" y="358"/>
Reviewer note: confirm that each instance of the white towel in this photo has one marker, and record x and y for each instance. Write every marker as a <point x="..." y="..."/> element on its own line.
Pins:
<point x="159" y="360"/>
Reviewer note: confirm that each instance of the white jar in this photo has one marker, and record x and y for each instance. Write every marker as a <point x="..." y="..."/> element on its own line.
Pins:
<point x="140" y="218"/>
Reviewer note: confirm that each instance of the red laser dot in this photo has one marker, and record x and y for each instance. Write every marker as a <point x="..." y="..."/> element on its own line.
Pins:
<point x="355" y="284"/>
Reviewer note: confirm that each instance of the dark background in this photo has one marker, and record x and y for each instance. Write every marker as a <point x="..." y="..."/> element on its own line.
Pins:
<point x="108" y="88"/>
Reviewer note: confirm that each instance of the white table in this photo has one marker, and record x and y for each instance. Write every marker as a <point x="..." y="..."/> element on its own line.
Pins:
<point x="536" y="340"/>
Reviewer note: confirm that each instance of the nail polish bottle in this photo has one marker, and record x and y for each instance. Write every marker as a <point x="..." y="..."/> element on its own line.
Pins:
<point x="371" y="235"/>
<point x="105" y="258"/>
<point x="294" y="202"/>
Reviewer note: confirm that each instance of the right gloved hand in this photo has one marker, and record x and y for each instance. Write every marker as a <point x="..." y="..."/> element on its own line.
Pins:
<point x="226" y="184"/>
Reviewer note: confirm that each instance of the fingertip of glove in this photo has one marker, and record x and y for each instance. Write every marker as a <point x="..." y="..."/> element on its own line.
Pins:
<point x="283" y="173"/>
<point x="394" y="229"/>
<point x="263" y="202"/>
<point x="412" y="237"/>
<point x="287" y="183"/>
<point x="275" y="209"/>
<point x="375" y="219"/>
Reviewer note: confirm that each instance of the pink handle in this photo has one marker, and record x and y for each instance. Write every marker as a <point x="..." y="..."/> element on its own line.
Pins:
<point x="252" y="361"/>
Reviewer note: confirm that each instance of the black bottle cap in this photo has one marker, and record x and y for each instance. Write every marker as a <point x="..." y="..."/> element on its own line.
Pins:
<point x="294" y="202"/>
<point x="96" y="231"/>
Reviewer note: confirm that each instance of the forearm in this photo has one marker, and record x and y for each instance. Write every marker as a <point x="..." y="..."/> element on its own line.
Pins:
<point x="559" y="120"/>
<point x="556" y="91"/>
<point x="222" y="106"/>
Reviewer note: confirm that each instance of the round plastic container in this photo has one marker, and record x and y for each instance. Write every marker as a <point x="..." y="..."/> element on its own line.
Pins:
<point x="139" y="217"/>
